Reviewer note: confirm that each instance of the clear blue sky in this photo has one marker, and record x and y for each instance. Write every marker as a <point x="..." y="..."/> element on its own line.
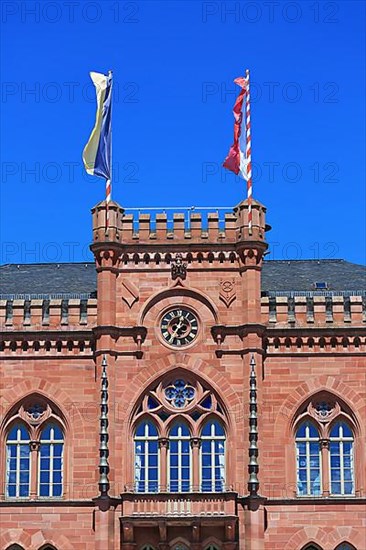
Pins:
<point x="173" y="65"/>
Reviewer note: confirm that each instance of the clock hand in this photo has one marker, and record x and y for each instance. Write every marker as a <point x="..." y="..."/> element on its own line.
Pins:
<point x="175" y="332"/>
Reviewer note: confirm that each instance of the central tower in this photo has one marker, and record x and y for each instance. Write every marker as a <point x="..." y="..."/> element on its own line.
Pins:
<point x="179" y="319"/>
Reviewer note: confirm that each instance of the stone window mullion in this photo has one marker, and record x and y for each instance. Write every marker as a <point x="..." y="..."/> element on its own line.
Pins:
<point x="34" y="470"/>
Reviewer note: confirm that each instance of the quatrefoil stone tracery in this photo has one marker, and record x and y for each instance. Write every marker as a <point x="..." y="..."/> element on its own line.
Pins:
<point x="179" y="394"/>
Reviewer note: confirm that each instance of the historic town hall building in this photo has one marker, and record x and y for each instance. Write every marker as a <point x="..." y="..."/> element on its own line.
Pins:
<point x="183" y="393"/>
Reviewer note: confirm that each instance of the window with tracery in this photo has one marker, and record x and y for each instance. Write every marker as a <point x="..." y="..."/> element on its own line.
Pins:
<point x="50" y="461"/>
<point x="308" y="459"/>
<point x="324" y="440"/>
<point x="341" y="459"/>
<point x="146" y="458"/>
<point x="213" y="457"/>
<point x="179" y="438"/>
<point x="179" y="458"/>
<point x="18" y="462"/>
<point x="34" y="429"/>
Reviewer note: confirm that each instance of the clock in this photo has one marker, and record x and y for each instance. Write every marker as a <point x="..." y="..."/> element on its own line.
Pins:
<point x="179" y="327"/>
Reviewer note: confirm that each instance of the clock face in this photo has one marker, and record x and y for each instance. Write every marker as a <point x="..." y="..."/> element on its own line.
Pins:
<point x="179" y="327"/>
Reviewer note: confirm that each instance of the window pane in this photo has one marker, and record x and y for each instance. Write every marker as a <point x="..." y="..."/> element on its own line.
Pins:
<point x="46" y="433"/>
<point x="57" y="490"/>
<point x="57" y="464"/>
<point x="57" y="449"/>
<point x="24" y="450"/>
<point x="57" y="434"/>
<point x="45" y="449"/>
<point x="11" y="490"/>
<point x="348" y="488"/>
<point x="44" y="490"/>
<point x="13" y="434"/>
<point x="24" y="490"/>
<point x="335" y="461"/>
<point x="153" y="460"/>
<point x="152" y="429"/>
<point x="336" y="488"/>
<point x="57" y="477"/>
<point x="45" y="476"/>
<point x="45" y="463"/>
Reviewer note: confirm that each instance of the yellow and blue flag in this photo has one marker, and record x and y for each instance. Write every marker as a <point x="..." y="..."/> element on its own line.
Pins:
<point x="98" y="151"/>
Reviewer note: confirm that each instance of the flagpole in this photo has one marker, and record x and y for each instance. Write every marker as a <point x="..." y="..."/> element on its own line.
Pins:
<point x="108" y="183"/>
<point x="248" y="154"/>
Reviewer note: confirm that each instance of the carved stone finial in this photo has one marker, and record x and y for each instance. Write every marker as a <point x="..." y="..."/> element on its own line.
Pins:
<point x="103" y="436"/>
<point x="178" y="267"/>
<point x="253" y="483"/>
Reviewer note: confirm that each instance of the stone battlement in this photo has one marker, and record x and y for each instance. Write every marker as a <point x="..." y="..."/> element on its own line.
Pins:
<point x="181" y="227"/>
<point x="276" y="311"/>
<point x="48" y="314"/>
<point x="333" y="310"/>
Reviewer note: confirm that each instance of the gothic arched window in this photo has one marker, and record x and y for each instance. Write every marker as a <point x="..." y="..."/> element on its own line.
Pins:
<point x="179" y="458"/>
<point x="50" y="461"/>
<point x="324" y="441"/>
<point x="345" y="546"/>
<point x="18" y="462"/>
<point x="34" y="450"/>
<point x="179" y="438"/>
<point x="213" y="457"/>
<point x="341" y="460"/>
<point x="146" y="458"/>
<point x="308" y="460"/>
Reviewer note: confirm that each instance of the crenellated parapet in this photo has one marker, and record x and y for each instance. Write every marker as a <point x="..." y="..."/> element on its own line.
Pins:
<point x="48" y="313"/>
<point x="154" y="227"/>
<point x="314" y="310"/>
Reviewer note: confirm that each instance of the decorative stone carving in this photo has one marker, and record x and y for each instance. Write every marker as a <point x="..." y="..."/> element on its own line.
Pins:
<point x="35" y="412"/>
<point x="323" y="410"/>
<point x="227" y="291"/>
<point x="178" y="267"/>
<point x="130" y="293"/>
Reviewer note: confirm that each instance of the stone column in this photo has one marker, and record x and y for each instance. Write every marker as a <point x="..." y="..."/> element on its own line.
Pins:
<point x="34" y="470"/>
<point x="324" y="449"/>
<point x="163" y="446"/>
<point x="196" y="444"/>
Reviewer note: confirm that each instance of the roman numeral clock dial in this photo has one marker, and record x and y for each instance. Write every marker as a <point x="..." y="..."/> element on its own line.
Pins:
<point x="179" y="327"/>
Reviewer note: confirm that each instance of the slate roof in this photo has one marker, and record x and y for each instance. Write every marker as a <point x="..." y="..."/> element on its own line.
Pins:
<point x="278" y="276"/>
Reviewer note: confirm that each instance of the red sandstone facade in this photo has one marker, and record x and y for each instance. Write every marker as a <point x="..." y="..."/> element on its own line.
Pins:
<point x="301" y="357"/>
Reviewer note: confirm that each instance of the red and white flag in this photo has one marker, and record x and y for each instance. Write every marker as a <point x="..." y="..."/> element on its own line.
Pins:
<point x="239" y="159"/>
